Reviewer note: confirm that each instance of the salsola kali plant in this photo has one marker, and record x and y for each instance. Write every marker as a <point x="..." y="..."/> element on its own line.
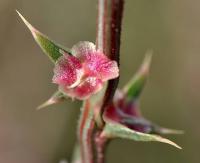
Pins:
<point x="90" y="72"/>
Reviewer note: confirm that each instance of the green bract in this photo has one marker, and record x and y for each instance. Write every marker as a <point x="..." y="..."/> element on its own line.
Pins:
<point x="50" y="48"/>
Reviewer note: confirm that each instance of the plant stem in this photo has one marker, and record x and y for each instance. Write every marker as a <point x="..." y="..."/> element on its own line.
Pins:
<point x="100" y="143"/>
<point x="86" y="129"/>
<point x="92" y="145"/>
<point x="110" y="14"/>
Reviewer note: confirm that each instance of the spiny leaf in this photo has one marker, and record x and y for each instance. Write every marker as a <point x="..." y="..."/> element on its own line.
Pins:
<point x="114" y="130"/>
<point x="50" y="48"/>
<point x="54" y="99"/>
<point x="136" y="84"/>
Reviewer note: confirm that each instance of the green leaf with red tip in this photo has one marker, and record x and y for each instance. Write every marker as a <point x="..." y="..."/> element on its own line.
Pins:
<point x="136" y="84"/>
<point x="57" y="97"/>
<point x="50" y="48"/>
<point x="115" y="130"/>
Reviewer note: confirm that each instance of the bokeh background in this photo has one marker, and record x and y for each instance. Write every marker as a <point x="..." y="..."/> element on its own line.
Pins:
<point x="171" y="97"/>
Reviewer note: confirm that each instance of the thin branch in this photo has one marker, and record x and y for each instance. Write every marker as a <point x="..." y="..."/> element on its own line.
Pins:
<point x="108" y="41"/>
<point x="100" y="143"/>
<point x="110" y="13"/>
<point x="86" y="129"/>
<point x="100" y="39"/>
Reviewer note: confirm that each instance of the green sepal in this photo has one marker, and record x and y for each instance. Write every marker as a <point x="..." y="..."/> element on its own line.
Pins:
<point x="136" y="84"/>
<point x="115" y="130"/>
<point x="49" y="47"/>
<point x="57" y="97"/>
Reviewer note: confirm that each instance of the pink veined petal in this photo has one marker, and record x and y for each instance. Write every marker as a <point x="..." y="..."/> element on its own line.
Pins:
<point x="108" y="70"/>
<point x="82" y="49"/>
<point x="99" y="65"/>
<point x="68" y="71"/>
<point x="90" y="86"/>
<point x="84" y="90"/>
<point x="95" y="62"/>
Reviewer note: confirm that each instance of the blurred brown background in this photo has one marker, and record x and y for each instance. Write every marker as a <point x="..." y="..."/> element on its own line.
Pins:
<point x="171" y="98"/>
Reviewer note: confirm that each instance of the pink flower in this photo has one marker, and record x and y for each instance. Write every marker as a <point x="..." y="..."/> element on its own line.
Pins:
<point x="127" y="113"/>
<point x="83" y="73"/>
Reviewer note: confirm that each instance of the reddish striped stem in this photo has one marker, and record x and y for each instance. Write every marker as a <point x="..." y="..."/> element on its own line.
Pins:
<point x="110" y="14"/>
<point x="92" y="145"/>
